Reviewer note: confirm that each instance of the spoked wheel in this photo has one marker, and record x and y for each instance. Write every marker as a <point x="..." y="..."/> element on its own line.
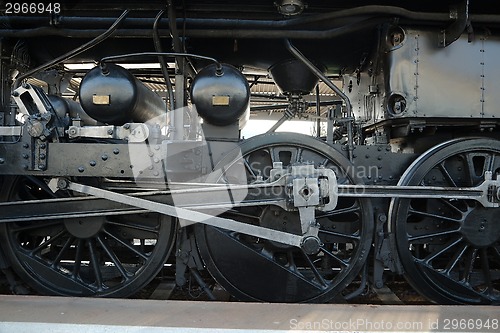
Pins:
<point x="257" y="269"/>
<point x="450" y="248"/>
<point x="93" y="256"/>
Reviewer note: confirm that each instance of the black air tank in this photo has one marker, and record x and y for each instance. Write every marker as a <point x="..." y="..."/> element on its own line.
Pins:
<point x="221" y="99"/>
<point x="114" y="96"/>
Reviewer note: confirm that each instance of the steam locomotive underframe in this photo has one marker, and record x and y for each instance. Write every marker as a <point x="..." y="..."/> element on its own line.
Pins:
<point x="104" y="180"/>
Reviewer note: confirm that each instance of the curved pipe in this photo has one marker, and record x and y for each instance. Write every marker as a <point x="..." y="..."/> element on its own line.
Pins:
<point x="74" y="52"/>
<point x="297" y="54"/>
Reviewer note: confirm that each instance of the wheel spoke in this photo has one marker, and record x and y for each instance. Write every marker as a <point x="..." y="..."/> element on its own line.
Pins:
<point x="78" y="258"/>
<point x="456" y="257"/>
<point x="438" y="217"/>
<point x="347" y="210"/>
<point x="338" y="234"/>
<point x="298" y="158"/>
<point x="334" y="257"/>
<point x="48" y="242"/>
<point x="470" y="168"/>
<point x="272" y="153"/>
<point x="446" y="174"/>
<point x="448" y="246"/>
<point x="436" y="234"/>
<point x="127" y="245"/>
<point x="317" y="274"/>
<point x="451" y="205"/>
<point x="249" y="168"/>
<point x="95" y="264"/>
<point x="63" y="250"/>
<point x="126" y="275"/>
<point x="469" y="265"/>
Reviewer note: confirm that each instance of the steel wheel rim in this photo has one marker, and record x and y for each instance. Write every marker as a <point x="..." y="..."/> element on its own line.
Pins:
<point x="115" y="259"/>
<point x="449" y="273"/>
<point x="312" y="284"/>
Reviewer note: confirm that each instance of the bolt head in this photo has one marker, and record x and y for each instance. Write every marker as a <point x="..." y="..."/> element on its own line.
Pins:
<point x="62" y="183"/>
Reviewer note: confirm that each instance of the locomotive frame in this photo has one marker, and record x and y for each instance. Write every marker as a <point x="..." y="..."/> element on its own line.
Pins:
<point x="98" y="194"/>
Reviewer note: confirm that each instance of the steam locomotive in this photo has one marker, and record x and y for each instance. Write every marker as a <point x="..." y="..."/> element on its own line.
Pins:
<point x="121" y="147"/>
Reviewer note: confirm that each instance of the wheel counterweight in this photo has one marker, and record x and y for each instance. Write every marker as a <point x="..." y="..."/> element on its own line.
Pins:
<point x="256" y="269"/>
<point x="449" y="248"/>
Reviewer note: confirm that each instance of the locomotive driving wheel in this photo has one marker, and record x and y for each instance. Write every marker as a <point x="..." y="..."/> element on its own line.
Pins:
<point x="251" y="268"/>
<point x="113" y="256"/>
<point x="450" y="248"/>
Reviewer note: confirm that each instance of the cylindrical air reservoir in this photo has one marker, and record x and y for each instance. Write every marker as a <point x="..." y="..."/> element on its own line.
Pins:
<point x="221" y="99"/>
<point x="114" y="96"/>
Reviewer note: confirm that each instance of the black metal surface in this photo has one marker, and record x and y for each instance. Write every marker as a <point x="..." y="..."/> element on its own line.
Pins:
<point x="293" y="77"/>
<point x="450" y="248"/>
<point x="94" y="256"/>
<point x="65" y="106"/>
<point x="231" y="87"/>
<point x="128" y="98"/>
<point x="255" y="269"/>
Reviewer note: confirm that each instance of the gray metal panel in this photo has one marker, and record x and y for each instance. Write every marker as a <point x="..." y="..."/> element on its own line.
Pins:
<point x="444" y="82"/>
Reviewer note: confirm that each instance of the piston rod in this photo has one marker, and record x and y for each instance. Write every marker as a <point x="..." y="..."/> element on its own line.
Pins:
<point x="273" y="193"/>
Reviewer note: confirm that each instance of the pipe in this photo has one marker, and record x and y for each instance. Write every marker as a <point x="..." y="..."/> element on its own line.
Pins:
<point x="318" y="112"/>
<point x="163" y="64"/>
<point x="176" y="41"/>
<point x="74" y="52"/>
<point x="284" y="106"/>
<point x="296" y="53"/>
<point x="172" y="24"/>
<point x="199" y="33"/>
<point x="371" y="10"/>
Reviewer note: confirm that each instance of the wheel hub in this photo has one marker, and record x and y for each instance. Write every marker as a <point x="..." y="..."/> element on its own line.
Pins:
<point x="84" y="227"/>
<point x="311" y="245"/>
<point x="480" y="228"/>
